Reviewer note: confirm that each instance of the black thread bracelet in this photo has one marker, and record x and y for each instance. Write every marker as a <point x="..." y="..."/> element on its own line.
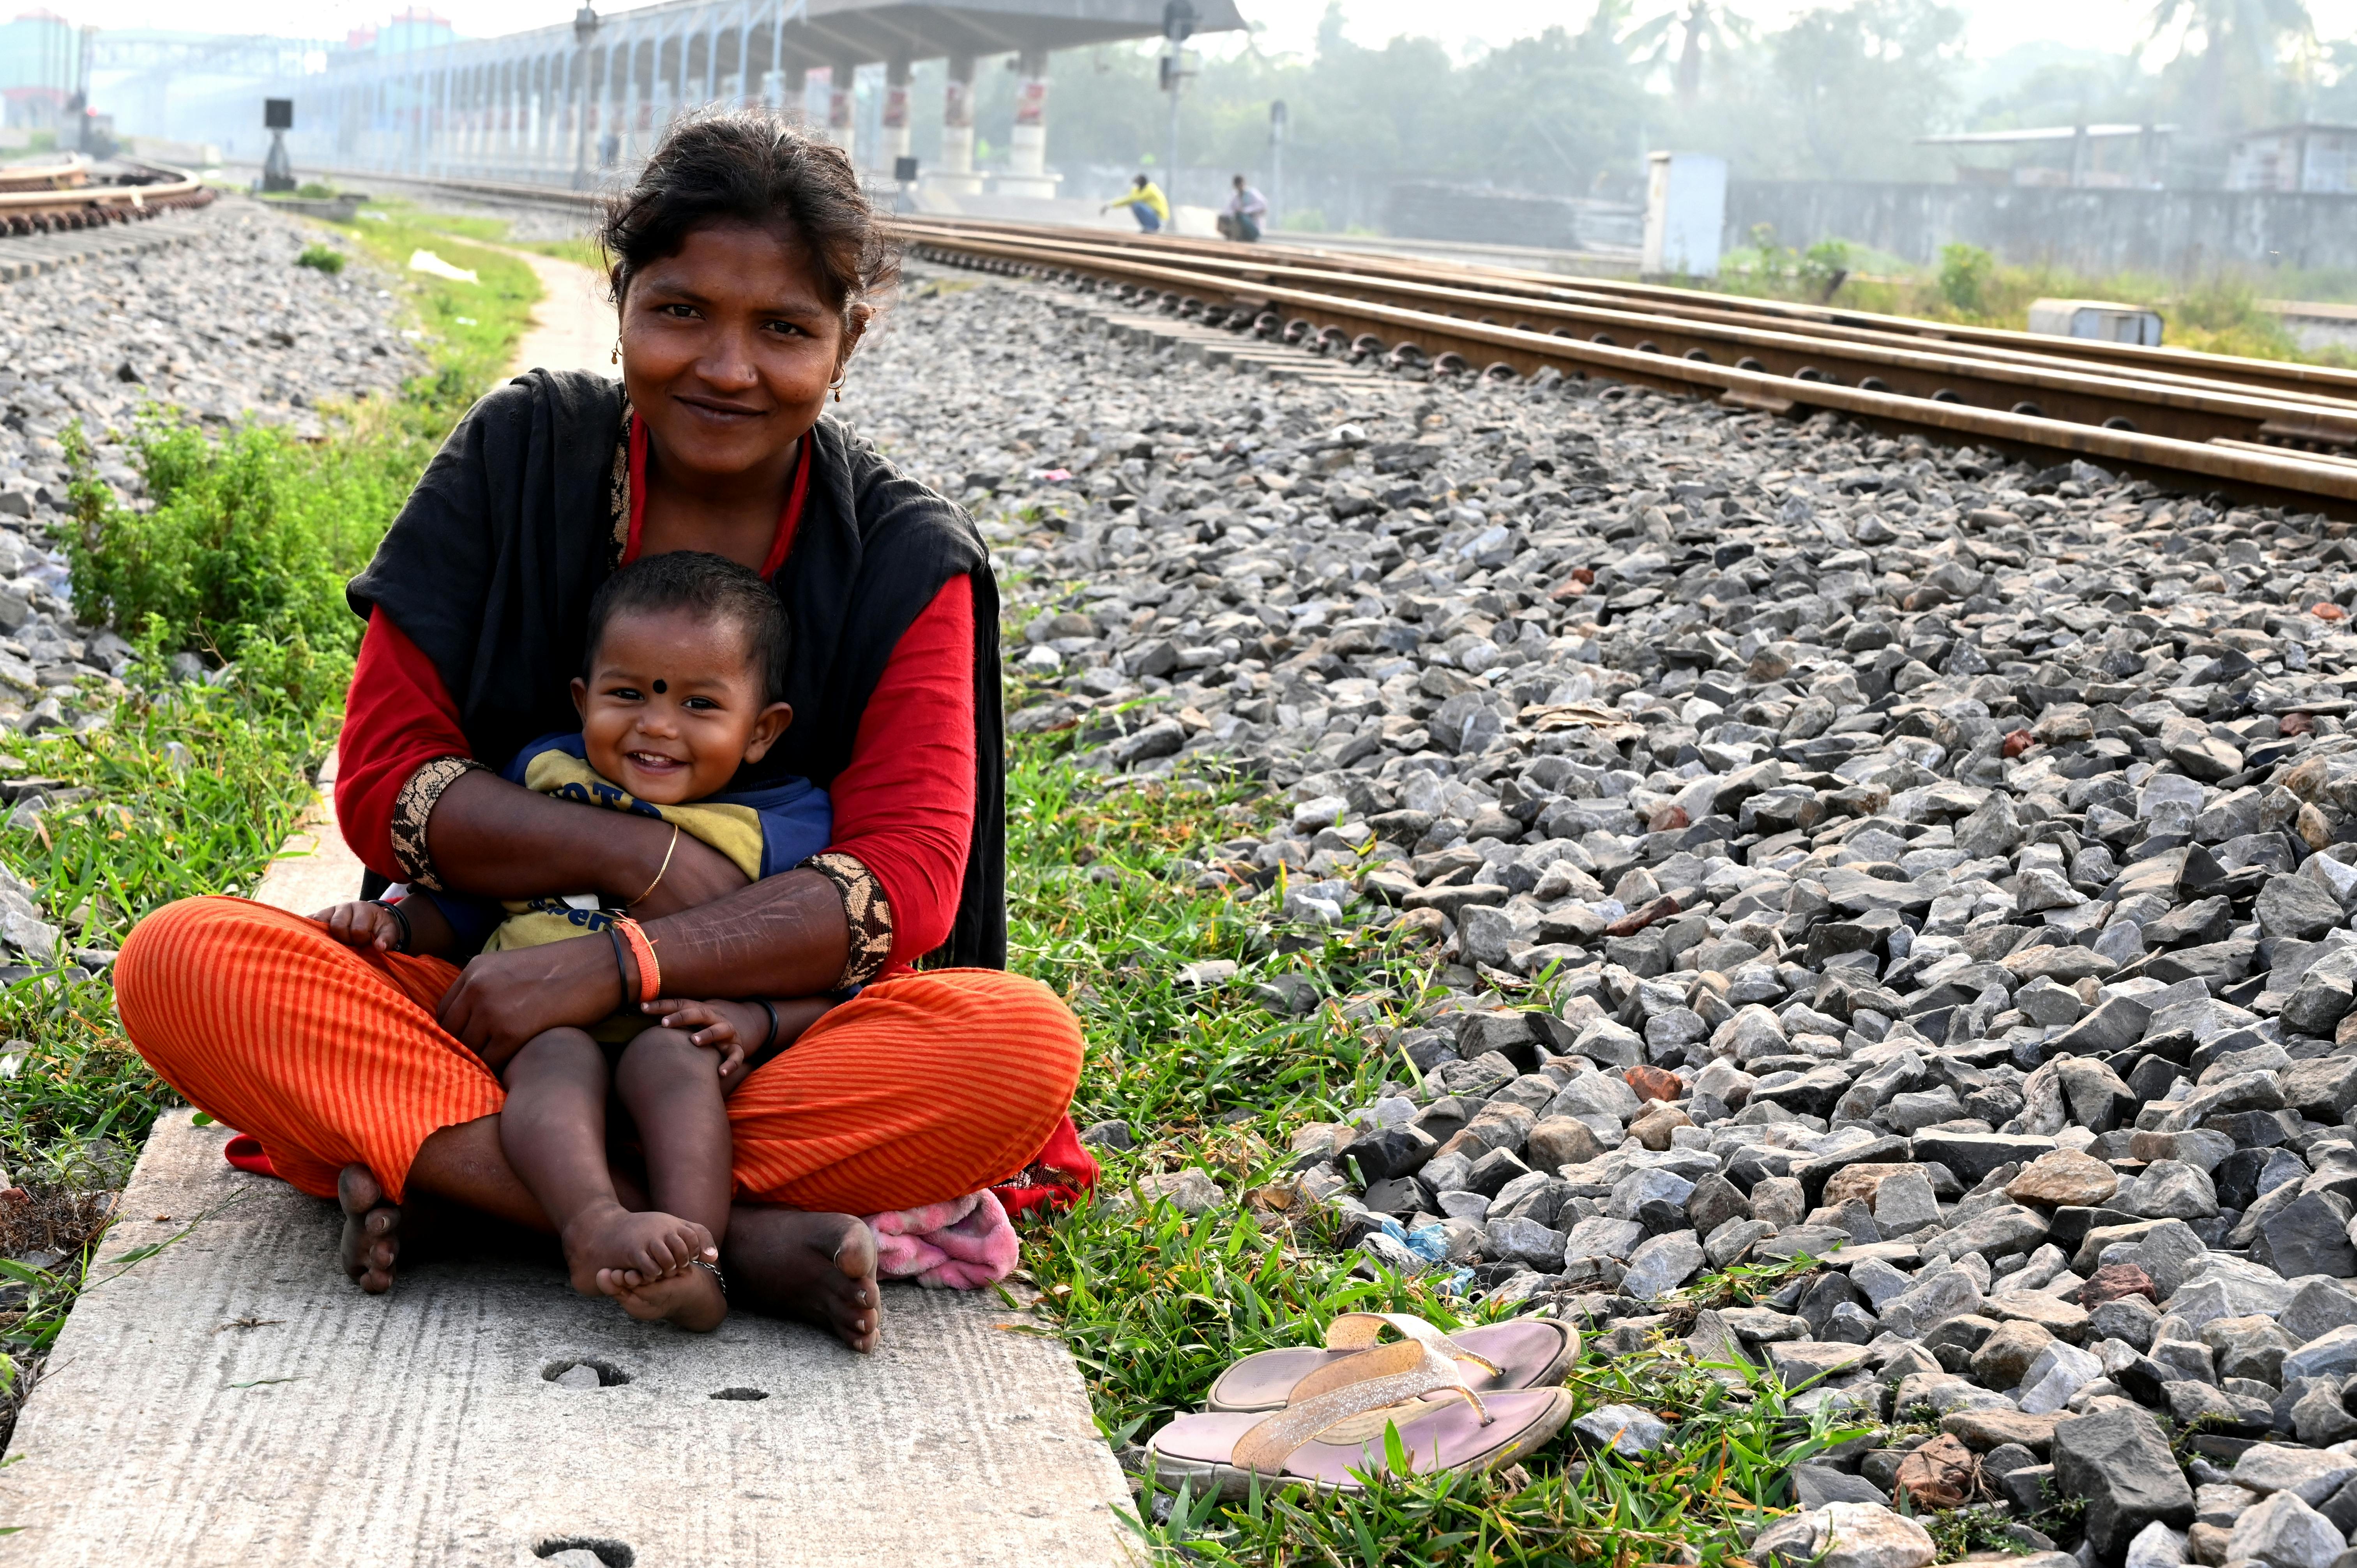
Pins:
<point x="408" y="934"/>
<point x="630" y="970"/>
<point x="770" y="1008"/>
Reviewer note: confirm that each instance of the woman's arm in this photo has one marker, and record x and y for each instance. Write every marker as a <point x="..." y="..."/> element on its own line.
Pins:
<point x="399" y="765"/>
<point x="904" y="823"/>
<point x="500" y="840"/>
<point x="783" y="936"/>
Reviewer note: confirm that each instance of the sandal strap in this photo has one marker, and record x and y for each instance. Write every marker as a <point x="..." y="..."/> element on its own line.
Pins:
<point x="1360" y="1331"/>
<point x="1395" y="1374"/>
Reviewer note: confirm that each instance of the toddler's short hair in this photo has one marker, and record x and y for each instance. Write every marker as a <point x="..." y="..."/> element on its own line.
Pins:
<point x="712" y="585"/>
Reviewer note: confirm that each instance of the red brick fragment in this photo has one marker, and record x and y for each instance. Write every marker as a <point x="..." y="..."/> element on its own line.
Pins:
<point x="1667" y="818"/>
<point x="2329" y="611"/>
<point x="1652" y="1083"/>
<point x="1636" y="920"/>
<point x="2113" y="1281"/>
<point x="2017" y="743"/>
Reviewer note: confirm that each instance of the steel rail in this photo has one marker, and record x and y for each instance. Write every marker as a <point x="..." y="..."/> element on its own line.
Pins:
<point x="2226" y="376"/>
<point x="2059" y="389"/>
<point x="82" y="207"/>
<point x="2287" y="477"/>
<point x="2322" y="382"/>
<point x="72" y="171"/>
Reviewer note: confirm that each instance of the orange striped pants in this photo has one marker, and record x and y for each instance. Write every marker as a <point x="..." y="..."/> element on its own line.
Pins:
<point x="922" y="1089"/>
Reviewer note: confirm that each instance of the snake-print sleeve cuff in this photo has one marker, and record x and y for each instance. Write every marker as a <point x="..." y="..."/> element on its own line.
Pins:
<point x="866" y="911"/>
<point x="411" y="809"/>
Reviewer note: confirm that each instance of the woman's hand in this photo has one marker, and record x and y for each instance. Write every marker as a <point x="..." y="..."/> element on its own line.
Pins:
<point x="504" y="999"/>
<point x="697" y="874"/>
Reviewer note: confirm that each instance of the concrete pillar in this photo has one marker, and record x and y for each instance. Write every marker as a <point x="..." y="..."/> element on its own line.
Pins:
<point x="1026" y="146"/>
<point x="793" y="92"/>
<point x="895" y="115"/>
<point x="840" y="78"/>
<point x="956" y="177"/>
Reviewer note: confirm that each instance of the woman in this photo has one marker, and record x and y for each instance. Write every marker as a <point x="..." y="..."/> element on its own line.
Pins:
<point x="746" y="265"/>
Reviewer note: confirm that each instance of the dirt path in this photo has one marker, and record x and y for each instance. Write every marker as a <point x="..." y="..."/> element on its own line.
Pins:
<point x="572" y="326"/>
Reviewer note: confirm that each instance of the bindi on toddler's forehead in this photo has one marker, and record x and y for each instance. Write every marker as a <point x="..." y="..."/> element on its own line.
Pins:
<point x="660" y="687"/>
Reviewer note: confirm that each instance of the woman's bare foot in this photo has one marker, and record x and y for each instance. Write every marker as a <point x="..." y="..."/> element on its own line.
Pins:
<point x="686" y="1298"/>
<point x="817" y="1268"/>
<point x="607" y="1238"/>
<point x="372" y="1239"/>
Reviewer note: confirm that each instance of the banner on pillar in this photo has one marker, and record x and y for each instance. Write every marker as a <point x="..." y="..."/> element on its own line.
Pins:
<point x="896" y="106"/>
<point x="1031" y="101"/>
<point x="957" y="104"/>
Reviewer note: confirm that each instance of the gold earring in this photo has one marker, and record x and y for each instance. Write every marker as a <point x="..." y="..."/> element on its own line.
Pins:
<point x="618" y="351"/>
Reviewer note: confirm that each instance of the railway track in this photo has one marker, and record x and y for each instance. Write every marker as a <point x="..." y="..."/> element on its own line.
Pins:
<point x="144" y="190"/>
<point x="2261" y="430"/>
<point x="2279" y="434"/>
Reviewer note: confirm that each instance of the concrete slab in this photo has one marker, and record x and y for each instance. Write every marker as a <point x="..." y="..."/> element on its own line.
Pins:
<point x="424" y="1428"/>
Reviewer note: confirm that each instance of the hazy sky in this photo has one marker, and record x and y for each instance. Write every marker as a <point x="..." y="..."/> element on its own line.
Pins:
<point x="1996" y="25"/>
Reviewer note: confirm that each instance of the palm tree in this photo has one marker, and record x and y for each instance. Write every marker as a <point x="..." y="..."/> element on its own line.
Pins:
<point x="2241" y="43"/>
<point x="1705" y="28"/>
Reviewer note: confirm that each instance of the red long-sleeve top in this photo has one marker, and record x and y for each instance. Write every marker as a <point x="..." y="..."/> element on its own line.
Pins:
<point x="903" y="806"/>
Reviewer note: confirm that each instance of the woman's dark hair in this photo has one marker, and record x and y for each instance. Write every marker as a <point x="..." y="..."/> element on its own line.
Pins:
<point x="713" y="587"/>
<point x="758" y="168"/>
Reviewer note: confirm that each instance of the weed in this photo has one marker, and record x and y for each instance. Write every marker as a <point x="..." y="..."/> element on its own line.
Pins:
<point x="1962" y="1531"/>
<point x="1966" y="274"/>
<point x="323" y="258"/>
<point x="248" y="543"/>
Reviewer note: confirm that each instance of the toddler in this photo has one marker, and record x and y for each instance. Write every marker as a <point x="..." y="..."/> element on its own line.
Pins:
<point x="680" y="687"/>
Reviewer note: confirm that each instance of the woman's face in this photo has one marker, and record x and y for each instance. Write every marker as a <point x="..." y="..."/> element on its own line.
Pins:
<point x="728" y="347"/>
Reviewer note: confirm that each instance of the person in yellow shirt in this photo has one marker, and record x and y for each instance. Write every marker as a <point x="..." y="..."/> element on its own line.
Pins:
<point x="1145" y="202"/>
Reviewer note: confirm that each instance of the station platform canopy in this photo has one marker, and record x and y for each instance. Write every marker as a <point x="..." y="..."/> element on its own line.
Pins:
<point x="586" y="102"/>
<point x="883" y="30"/>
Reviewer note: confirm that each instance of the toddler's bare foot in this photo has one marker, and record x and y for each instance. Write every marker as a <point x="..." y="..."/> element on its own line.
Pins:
<point x="687" y="1298"/>
<point x="609" y="1238"/>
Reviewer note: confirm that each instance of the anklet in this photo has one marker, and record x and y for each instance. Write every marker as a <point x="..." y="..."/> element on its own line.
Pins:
<point x="717" y="1277"/>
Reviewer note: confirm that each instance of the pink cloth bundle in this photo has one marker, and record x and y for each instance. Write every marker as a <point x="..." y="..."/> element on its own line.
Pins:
<point x="963" y="1244"/>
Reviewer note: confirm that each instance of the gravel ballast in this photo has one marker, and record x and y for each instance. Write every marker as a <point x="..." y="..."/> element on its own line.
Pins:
<point x="1834" y="846"/>
<point x="222" y="325"/>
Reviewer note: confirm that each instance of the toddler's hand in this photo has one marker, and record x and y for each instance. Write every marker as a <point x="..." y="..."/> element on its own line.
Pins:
<point x="362" y="925"/>
<point x="712" y="1028"/>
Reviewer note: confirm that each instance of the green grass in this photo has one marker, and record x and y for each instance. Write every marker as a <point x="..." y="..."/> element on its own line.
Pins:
<point x="470" y="329"/>
<point x="580" y="251"/>
<point x="1154" y="1304"/>
<point x="2218" y="313"/>
<point x="195" y="786"/>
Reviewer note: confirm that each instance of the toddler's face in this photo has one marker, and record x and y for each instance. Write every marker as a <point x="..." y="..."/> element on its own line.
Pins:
<point x="672" y="706"/>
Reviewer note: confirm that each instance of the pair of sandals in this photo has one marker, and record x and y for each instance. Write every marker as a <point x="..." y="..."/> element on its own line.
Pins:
<point x="1480" y="1400"/>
